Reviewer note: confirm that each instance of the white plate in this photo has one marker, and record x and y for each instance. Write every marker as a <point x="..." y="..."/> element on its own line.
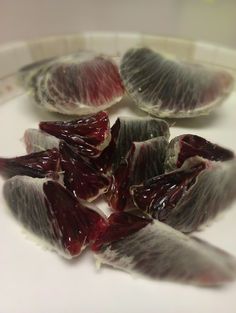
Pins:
<point x="34" y="280"/>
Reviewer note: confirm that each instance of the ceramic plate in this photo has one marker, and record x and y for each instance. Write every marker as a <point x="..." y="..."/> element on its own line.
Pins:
<point x="35" y="280"/>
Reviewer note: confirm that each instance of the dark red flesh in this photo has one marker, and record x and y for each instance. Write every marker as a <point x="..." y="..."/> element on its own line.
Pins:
<point x="105" y="160"/>
<point x="74" y="224"/>
<point x="85" y="133"/>
<point x="94" y="82"/>
<point x="77" y="225"/>
<point x="80" y="177"/>
<point x="159" y="195"/>
<point x="120" y="225"/>
<point x="143" y="161"/>
<point x="119" y="193"/>
<point x="192" y="145"/>
<point x="39" y="164"/>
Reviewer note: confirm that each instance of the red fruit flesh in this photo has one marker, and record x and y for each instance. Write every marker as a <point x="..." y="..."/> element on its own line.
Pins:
<point x="73" y="223"/>
<point x="143" y="161"/>
<point x="86" y="134"/>
<point x="118" y="197"/>
<point x="94" y="82"/>
<point x="159" y="195"/>
<point x="192" y="145"/>
<point x="80" y="177"/>
<point x="120" y="225"/>
<point x="105" y="160"/>
<point x="37" y="164"/>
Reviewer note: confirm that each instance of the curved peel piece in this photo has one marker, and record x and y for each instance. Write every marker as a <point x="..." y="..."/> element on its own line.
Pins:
<point x="189" y="196"/>
<point x="144" y="160"/>
<point x="171" y="88"/>
<point x="77" y="84"/>
<point x="52" y="213"/>
<point x="185" y="146"/>
<point x="156" y="250"/>
<point x="89" y="134"/>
